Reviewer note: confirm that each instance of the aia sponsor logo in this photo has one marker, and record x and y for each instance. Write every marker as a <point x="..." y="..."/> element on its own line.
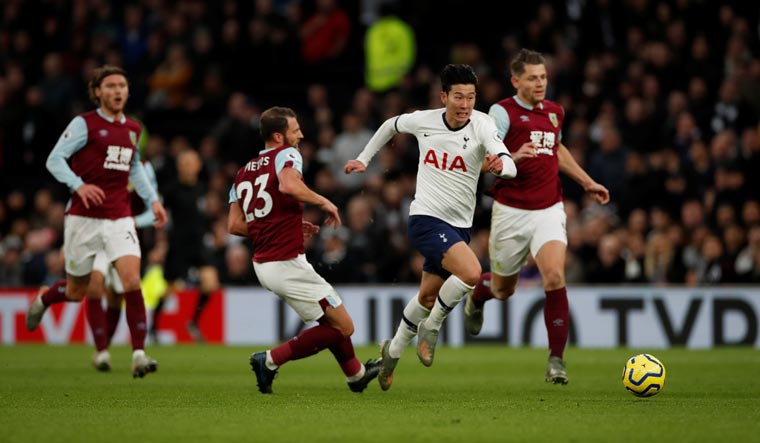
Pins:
<point x="444" y="161"/>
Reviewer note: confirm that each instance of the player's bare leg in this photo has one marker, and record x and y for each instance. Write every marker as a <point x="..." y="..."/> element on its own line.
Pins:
<point x="416" y="310"/>
<point x="465" y="270"/>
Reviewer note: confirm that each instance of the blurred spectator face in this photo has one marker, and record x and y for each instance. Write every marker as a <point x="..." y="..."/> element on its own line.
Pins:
<point x="637" y="220"/>
<point x="728" y="91"/>
<point x="675" y="235"/>
<point x="659" y="219"/>
<point x="326" y="136"/>
<point x="692" y="214"/>
<point x="725" y="215"/>
<point x="634" y="110"/>
<point x="697" y="88"/>
<point x="751" y="213"/>
<point x="54" y="262"/>
<point x="316" y="95"/>
<point x="359" y="214"/>
<point x="230" y="32"/>
<point x="43" y="200"/>
<point x="723" y="147"/>
<point x="634" y="164"/>
<point x="351" y="122"/>
<point x="237" y="259"/>
<point x="324" y="182"/>
<point x="188" y="164"/>
<point x="677" y="102"/>
<point x="660" y="244"/>
<point x="685" y="125"/>
<point x="753" y="237"/>
<point x="700" y="49"/>
<point x="636" y="244"/>
<point x="16" y="201"/>
<point x="750" y="141"/>
<point x="52" y="65"/>
<point x="712" y="248"/>
<point x="609" y="250"/>
<point x="733" y="238"/>
<point x="698" y="153"/>
<point x="55" y="216"/>
<point x="610" y="141"/>
<point x="393" y="195"/>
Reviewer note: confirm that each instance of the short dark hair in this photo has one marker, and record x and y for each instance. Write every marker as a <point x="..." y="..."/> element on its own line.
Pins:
<point x="98" y="74"/>
<point x="458" y="74"/>
<point x="274" y="120"/>
<point x="525" y="57"/>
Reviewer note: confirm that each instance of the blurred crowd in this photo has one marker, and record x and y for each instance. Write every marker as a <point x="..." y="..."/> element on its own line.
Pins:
<point x="662" y="100"/>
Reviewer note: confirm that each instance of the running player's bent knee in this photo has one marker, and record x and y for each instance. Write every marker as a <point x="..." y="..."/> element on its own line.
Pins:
<point x="502" y="293"/>
<point x="346" y="329"/>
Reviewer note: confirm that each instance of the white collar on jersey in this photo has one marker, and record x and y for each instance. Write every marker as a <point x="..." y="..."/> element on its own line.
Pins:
<point x="109" y="119"/>
<point x="525" y="105"/>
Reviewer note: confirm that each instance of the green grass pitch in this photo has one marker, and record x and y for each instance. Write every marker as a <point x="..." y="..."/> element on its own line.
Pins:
<point x="470" y="394"/>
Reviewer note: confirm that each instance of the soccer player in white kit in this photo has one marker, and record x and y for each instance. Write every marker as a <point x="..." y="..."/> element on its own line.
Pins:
<point x="454" y="142"/>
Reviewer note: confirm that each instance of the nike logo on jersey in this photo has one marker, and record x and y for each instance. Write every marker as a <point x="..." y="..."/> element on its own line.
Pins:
<point x="426" y="134"/>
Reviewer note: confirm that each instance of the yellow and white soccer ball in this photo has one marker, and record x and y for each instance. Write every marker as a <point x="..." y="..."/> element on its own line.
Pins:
<point x="644" y="375"/>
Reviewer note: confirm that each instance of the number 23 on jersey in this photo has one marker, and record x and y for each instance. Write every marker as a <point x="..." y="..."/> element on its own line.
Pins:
<point x="245" y="192"/>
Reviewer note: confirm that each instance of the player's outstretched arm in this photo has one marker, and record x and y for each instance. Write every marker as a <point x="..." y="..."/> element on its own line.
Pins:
<point x="354" y="166"/>
<point x="569" y="166"/>
<point x="383" y="134"/>
<point x="292" y="184"/>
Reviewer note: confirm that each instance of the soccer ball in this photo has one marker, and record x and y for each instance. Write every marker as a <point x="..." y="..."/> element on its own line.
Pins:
<point x="643" y="375"/>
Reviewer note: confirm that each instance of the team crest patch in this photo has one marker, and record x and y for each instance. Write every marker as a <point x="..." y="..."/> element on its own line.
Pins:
<point x="133" y="137"/>
<point x="553" y="119"/>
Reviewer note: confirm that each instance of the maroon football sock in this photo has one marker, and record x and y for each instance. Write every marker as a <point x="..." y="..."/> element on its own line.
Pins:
<point x="55" y="293"/>
<point x="308" y="342"/>
<point x="113" y="314"/>
<point x="136" y="318"/>
<point x="557" y="320"/>
<point x="482" y="292"/>
<point x="346" y="357"/>
<point x="97" y="320"/>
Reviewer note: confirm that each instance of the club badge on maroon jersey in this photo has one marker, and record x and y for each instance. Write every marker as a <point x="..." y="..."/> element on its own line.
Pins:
<point x="133" y="137"/>
<point x="553" y="119"/>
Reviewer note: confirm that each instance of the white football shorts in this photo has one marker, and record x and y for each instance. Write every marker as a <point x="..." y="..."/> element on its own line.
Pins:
<point x="297" y="283"/>
<point x="110" y="275"/>
<point x="85" y="237"/>
<point x="515" y="232"/>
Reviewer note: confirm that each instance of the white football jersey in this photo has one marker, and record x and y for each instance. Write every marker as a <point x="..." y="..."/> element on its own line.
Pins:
<point x="450" y="161"/>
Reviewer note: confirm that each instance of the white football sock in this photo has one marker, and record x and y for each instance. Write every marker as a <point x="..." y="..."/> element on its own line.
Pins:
<point x="357" y="376"/>
<point x="414" y="313"/>
<point x="270" y="363"/>
<point x="452" y="292"/>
